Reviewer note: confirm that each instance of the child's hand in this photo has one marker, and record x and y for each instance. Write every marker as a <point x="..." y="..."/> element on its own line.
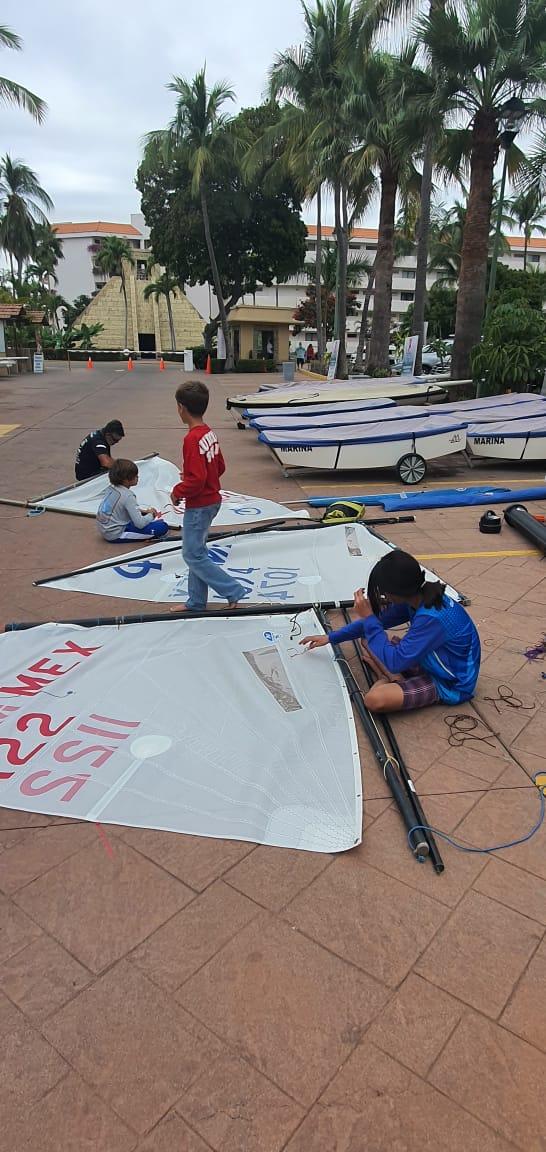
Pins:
<point x="314" y="641"/>
<point x="362" y="604"/>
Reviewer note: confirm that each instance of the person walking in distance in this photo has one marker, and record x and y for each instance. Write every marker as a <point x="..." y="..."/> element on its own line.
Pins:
<point x="199" y="487"/>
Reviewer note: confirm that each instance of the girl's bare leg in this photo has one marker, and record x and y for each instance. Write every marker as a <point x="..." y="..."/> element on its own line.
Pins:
<point x="377" y="667"/>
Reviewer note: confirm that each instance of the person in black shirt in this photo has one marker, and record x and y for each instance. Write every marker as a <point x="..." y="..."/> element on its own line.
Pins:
<point x="93" y="455"/>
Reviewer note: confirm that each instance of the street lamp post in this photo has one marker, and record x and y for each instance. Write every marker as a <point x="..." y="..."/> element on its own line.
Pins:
<point x="512" y="115"/>
<point x="509" y="122"/>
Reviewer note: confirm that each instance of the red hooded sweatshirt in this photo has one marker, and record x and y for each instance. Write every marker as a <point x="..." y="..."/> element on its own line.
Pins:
<point x="202" y="466"/>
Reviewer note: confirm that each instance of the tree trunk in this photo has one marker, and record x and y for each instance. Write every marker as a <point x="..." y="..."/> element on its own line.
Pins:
<point x="473" y="275"/>
<point x="359" y="358"/>
<point x="525" y="247"/>
<point x="216" y="277"/>
<point x="13" y="292"/>
<point x="420" y="296"/>
<point x="171" y="322"/>
<point x="318" y="279"/>
<point x="378" y="348"/>
<point x="341" y="287"/>
<point x="124" y="290"/>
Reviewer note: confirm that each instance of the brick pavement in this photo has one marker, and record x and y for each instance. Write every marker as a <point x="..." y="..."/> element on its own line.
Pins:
<point x="186" y="995"/>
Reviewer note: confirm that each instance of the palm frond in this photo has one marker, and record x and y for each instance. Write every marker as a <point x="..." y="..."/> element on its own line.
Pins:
<point x="12" y="93"/>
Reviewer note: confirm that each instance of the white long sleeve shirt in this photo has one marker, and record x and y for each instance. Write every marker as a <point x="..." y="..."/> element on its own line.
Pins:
<point x="118" y="508"/>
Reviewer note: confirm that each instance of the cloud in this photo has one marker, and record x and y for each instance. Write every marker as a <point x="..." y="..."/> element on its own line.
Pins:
<point x="102" y="66"/>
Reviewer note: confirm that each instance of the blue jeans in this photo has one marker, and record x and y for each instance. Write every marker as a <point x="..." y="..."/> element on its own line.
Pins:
<point x="202" y="570"/>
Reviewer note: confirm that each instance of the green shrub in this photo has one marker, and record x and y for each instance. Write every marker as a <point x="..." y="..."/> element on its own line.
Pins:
<point x="256" y="366"/>
<point x="512" y="353"/>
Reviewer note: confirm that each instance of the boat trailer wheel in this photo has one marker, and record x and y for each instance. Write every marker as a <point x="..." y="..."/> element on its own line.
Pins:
<point x="411" y="469"/>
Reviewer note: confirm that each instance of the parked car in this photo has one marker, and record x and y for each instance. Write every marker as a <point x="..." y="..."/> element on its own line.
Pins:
<point x="430" y="359"/>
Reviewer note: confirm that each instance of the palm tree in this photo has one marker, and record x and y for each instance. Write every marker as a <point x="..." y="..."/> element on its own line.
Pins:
<point x="357" y="267"/>
<point x="72" y="311"/>
<point x="85" y="334"/>
<point x="114" y="253"/>
<point x="48" y="250"/>
<point x="527" y="210"/>
<point x="164" y="286"/>
<point x="403" y="245"/>
<point x="295" y="76"/>
<point x="388" y="121"/>
<point x="534" y="171"/>
<point x="316" y="81"/>
<point x="446" y="246"/>
<point x="22" y="201"/>
<point x="200" y="132"/>
<point x="484" y="54"/>
<point x="12" y="93"/>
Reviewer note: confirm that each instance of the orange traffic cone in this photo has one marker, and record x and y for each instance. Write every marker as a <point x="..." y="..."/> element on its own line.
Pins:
<point x="208" y="369"/>
<point x="129" y="365"/>
<point x="89" y="363"/>
<point x="161" y="365"/>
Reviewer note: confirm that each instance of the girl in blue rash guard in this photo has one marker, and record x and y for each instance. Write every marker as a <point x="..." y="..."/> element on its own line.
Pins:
<point x="438" y="659"/>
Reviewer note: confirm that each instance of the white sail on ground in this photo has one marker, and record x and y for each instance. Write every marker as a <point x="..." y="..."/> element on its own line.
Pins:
<point x="114" y="725"/>
<point x="156" y="479"/>
<point x="306" y="566"/>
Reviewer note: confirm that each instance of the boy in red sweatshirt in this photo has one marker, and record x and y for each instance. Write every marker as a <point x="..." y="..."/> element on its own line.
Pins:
<point x="202" y="466"/>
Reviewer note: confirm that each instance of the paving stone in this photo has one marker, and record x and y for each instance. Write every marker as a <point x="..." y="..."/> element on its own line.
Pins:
<point x="16" y="929"/>
<point x="367" y="918"/>
<point x="237" y="1110"/>
<point x="385" y="846"/>
<point x="285" y="1004"/>
<point x="504" y="815"/>
<point x="134" y="1047"/>
<point x="72" y="1119"/>
<point x="515" y="888"/>
<point x="416" y="1024"/>
<point x="172" y="1135"/>
<point x="376" y="1105"/>
<point x="40" y="851"/>
<point x="525" y="1014"/>
<point x="273" y="876"/>
<point x="10" y="1017"/>
<point x="29" y="1066"/>
<point x="100" y="906"/>
<point x="194" y="859"/>
<point x="480" y="953"/>
<point x="496" y="1077"/>
<point x="42" y="977"/>
<point x="180" y="947"/>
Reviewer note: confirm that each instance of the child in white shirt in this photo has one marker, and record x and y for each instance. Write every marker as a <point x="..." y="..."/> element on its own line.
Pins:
<point x="119" y="516"/>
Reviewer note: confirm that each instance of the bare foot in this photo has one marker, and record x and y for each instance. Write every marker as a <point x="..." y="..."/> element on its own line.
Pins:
<point x="233" y="603"/>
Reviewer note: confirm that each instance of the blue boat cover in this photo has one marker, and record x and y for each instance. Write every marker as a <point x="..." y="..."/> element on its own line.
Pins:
<point x="436" y="498"/>
<point x="510" y="429"/>
<point x="509" y="399"/>
<point x="361" y="433"/>
<point x="344" y="419"/>
<point x="504" y="412"/>
<point x="291" y="410"/>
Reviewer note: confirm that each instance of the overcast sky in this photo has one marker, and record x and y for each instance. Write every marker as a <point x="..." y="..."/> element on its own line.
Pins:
<point x="102" y="66"/>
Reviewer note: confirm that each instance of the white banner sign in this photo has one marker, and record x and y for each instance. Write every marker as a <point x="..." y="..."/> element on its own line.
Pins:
<point x="308" y="566"/>
<point x="409" y="356"/>
<point x="115" y="725"/>
<point x="156" y="479"/>
<point x="334" y="356"/>
<point x="221" y="351"/>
